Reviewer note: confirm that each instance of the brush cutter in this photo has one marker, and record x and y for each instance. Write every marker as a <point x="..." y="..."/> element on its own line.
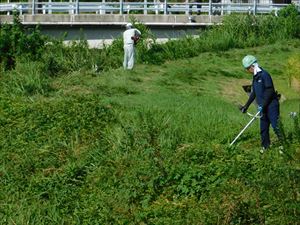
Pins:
<point x="250" y="122"/>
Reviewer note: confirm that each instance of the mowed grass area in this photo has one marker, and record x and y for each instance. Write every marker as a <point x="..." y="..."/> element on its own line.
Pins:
<point x="150" y="146"/>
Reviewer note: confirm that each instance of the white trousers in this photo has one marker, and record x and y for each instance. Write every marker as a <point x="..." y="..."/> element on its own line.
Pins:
<point x="128" y="56"/>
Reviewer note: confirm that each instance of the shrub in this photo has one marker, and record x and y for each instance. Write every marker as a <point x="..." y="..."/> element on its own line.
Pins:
<point x="17" y="41"/>
<point x="290" y="20"/>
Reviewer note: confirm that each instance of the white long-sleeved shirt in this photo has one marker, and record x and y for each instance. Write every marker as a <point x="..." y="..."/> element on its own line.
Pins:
<point x="128" y="34"/>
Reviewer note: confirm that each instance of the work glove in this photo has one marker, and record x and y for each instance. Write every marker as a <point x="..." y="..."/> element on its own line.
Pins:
<point x="259" y="108"/>
<point x="243" y="109"/>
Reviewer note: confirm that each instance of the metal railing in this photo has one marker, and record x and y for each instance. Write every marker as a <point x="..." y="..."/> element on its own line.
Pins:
<point x="121" y="7"/>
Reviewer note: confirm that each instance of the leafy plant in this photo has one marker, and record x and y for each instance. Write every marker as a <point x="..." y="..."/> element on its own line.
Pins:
<point x="18" y="41"/>
<point x="293" y="68"/>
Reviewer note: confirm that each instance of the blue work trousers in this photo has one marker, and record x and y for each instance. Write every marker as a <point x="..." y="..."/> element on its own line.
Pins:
<point x="270" y="116"/>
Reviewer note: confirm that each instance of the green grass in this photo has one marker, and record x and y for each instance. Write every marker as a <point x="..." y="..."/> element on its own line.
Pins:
<point x="148" y="146"/>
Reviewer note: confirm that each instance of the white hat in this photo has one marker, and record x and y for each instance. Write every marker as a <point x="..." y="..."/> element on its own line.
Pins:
<point x="128" y="25"/>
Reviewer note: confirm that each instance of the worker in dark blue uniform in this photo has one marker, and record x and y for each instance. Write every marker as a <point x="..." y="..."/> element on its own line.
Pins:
<point x="266" y="97"/>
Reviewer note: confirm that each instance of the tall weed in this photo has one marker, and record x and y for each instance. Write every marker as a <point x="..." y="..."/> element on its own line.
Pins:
<point x="60" y="58"/>
<point x="28" y="78"/>
<point x="110" y="57"/>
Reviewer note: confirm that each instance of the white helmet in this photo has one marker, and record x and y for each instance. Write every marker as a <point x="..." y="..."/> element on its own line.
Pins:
<point x="129" y="25"/>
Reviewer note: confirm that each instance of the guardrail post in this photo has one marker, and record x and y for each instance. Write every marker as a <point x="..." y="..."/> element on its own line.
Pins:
<point x="156" y="6"/>
<point x="121" y="7"/>
<point x="77" y="7"/>
<point x="187" y="7"/>
<point x="71" y="6"/>
<point x="102" y="11"/>
<point x="145" y="7"/>
<point x="33" y="7"/>
<point x="8" y="12"/>
<point x="50" y="5"/>
<point x="165" y="7"/>
<point x="44" y="11"/>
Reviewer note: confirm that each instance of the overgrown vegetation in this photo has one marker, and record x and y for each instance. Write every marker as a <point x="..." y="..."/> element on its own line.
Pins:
<point x="18" y="42"/>
<point x="148" y="146"/>
<point x="237" y="31"/>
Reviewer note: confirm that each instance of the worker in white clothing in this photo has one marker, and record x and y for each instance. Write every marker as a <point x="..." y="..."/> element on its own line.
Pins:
<point x="130" y="37"/>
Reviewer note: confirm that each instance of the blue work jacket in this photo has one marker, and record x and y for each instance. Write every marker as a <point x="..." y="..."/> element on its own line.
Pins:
<point x="262" y="89"/>
<point x="260" y="83"/>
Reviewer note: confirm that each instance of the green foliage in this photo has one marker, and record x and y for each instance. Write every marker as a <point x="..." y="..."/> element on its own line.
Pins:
<point x="154" y="55"/>
<point x="47" y="149"/>
<point x="146" y="39"/>
<point x="28" y="78"/>
<point x="149" y="146"/>
<point x="293" y="70"/>
<point x="61" y="58"/>
<point x="290" y="20"/>
<point x="236" y="31"/>
<point x="110" y="57"/>
<point x="296" y="133"/>
<point x="289" y="11"/>
<point x="17" y="41"/>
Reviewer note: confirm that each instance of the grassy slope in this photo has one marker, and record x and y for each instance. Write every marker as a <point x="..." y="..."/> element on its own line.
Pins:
<point x="185" y="83"/>
<point x="148" y="146"/>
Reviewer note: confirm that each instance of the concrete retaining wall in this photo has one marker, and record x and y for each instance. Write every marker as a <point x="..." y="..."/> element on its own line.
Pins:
<point x="103" y="29"/>
<point x="86" y="19"/>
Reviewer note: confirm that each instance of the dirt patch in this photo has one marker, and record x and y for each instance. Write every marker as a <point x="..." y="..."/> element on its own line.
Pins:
<point x="232" y="89"/>
<point x="295" y="83"/>
<point x="76" y="90"/>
